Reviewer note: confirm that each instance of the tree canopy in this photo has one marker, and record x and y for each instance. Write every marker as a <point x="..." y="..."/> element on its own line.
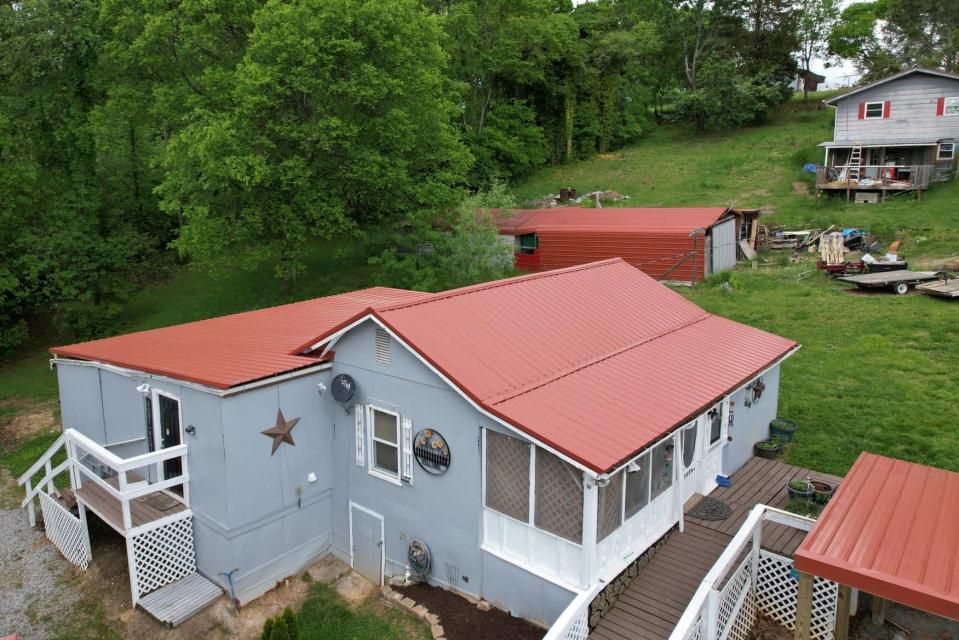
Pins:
<point x="138" y="134"/>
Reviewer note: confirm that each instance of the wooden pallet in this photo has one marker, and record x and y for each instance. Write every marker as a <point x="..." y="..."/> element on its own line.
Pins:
<point x="179" y="601"/>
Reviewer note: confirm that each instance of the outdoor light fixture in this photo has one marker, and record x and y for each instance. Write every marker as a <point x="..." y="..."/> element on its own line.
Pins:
<point x="632" y="467"/>
<point x="321" y="388"/>
<point x="311" y="477"/>
<point x="143" y="389"/>
<point x="190" y="429"/>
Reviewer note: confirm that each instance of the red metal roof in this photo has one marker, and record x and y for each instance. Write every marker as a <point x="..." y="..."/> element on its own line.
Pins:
<point x="596" y="361"/>
<point x="662" y="219"/>
<point x="892" y="530"/>
<point x="232" y="350"/>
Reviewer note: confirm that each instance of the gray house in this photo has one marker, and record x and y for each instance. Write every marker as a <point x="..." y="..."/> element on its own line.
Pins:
<point x="519" y="441"/>
<point x="896" y="134"/>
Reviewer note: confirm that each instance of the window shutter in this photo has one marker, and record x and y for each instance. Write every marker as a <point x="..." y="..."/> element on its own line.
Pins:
<point x="940" y="106"/>
<point x="886" y="107"/>
<point x="862" y="110"/>
<point x="360" y="436"/>
<point x="407" y="449"/>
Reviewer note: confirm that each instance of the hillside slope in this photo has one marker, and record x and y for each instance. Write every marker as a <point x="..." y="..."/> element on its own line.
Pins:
<point x="757" y="167"/>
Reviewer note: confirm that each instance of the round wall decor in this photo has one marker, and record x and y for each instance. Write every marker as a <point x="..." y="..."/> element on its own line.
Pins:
<point x="432" y="451"/>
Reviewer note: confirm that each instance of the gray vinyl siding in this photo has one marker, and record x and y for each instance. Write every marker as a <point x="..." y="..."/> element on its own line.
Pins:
<point x="912" y="114"/>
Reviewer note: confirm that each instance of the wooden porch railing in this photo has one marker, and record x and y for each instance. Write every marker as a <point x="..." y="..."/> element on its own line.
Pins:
<point x="78" y="447"/>
<point x="887" y="176"/>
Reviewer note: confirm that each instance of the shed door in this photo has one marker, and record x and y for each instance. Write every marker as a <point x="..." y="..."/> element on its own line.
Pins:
<point x="366" y="538"/>
<point x="723" y="245"/>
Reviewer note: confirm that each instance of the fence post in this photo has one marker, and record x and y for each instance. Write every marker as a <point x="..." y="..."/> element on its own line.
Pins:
<point x="804" y="607"/>
<point x="842" y="613"/>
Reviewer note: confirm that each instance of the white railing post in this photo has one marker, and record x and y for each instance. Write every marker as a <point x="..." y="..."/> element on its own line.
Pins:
<point x="132" y="570"/>
<point x="31" y="510"/>
<point x="184" y="472"/>
<point x="124" y="500"/>
<point x="754" y="559"/>
<point x="48" y="470"/>
<point x="712" y="615"/>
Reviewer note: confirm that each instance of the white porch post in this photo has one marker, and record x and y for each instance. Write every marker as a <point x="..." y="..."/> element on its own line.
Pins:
<point x="132" y="570"/>
<point x="678" y="477"/>
<point x="590" y="511"/>
<point x="31" y="510"/>
<point x="754" y="557"/>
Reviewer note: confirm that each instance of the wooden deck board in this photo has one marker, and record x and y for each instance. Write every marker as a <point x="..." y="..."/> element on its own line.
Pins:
<point x="652" y="605"/>
<point x="178" y="601"/>
<point x="108" y="508"/>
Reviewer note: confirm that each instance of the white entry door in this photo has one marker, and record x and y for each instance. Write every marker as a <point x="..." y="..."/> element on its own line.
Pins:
<point x="715" y="437"/>
<point x="690" y="461"/>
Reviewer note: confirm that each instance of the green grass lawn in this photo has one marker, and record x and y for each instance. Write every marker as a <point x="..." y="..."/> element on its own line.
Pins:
<point x="876" y="372"/>
<point x="325" y="616"/>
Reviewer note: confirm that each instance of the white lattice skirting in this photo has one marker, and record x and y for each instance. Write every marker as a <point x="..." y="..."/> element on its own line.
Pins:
<point x="65" y="531"/>
<point x="778" y="591"/>
<point x="579" y="629"/>
<point x="736" y="609"/>
<point x="162" y="555"/>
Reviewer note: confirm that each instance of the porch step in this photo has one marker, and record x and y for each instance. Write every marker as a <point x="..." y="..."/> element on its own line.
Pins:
<point x="181" y="600"/>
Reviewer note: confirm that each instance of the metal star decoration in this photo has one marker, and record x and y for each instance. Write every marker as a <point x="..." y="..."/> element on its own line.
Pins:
<point x="281" y="431"/>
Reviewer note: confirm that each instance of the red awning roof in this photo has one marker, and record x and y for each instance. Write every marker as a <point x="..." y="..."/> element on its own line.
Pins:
<point x="892" y="530"/>
<point x="661" y="219"/>
<point x="232" y="350"/>
<point x="597" y="361"/>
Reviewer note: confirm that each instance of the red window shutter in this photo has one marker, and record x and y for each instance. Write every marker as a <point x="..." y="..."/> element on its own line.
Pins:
<point x="886" y="106"/>
<point x="940" y="106"/>
<point x="862" y="110"/>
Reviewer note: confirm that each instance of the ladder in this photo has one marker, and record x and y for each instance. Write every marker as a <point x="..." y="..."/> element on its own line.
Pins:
<point x="855" y="163"/>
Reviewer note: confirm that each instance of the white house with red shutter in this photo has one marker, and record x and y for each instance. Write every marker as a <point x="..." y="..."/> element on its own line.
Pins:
<point x="898" y="133"/>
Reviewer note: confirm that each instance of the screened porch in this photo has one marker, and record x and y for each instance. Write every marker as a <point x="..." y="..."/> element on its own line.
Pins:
<point x="544" y="514"/>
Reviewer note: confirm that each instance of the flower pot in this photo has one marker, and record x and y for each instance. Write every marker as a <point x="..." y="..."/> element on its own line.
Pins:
<point x="800" y="494"/>
<point x="769" y="452"/>
<point x="823" y="491"/>
<point x="782" y="429"/>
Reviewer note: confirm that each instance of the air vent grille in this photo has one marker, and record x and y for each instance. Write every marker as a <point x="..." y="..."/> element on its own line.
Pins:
<point x="382" y="346"/>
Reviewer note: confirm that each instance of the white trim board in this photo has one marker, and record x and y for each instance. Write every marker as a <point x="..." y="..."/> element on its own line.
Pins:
<point x="221" y="393"/>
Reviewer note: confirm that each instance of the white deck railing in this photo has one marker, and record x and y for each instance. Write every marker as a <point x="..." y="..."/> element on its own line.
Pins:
<point x="573" y="623"/>
<point x="758" y="581"/>
<point x="79" y="448"/>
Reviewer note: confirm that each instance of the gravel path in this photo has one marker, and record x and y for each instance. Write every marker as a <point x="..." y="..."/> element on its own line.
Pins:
<point x="32" y="573"/>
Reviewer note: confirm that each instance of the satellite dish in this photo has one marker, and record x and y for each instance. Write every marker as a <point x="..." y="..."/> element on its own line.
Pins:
<point x="420" y="559"/>
<point x="343" y="388"/>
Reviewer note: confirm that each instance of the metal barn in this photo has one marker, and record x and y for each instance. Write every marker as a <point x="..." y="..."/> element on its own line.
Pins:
<point x="681" y="245"/>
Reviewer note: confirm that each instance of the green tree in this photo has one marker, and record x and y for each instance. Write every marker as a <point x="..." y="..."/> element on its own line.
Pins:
<point x="289" y="620"/>
<point x="434" y="251"/>
<point x="725" y="100"/>
<point x="816" y="20"/>
<point x="338" y="114"/>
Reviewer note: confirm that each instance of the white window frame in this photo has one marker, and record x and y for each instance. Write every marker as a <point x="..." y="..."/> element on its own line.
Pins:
<point x="950" y="101"/>
<point x="531" y="511"/>
<point x="952" y="151"/>
<point x="723" y="412"/>
<point x="882" y="110"/>
<point x="371" y="438"/>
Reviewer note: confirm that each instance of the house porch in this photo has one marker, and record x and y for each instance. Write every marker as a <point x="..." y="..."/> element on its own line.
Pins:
<point x="656" y="600"/>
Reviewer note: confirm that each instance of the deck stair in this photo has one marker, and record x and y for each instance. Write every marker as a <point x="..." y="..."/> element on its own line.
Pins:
<point x="855" y="163"/>
<point x="180" y="600"/>
<point x="150" y="511"/>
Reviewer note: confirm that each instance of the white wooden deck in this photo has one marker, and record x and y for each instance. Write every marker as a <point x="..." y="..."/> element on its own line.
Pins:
<point x="180" y="600"/>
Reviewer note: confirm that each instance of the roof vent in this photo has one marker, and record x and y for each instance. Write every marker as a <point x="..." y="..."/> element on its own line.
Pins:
<point x="382" y="346"/>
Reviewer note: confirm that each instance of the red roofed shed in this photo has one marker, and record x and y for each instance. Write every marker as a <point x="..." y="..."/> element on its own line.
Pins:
<point x="670" y="244"/>
<point x="891" y="530"/>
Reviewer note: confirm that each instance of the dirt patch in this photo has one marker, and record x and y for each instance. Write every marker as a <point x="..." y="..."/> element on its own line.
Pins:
<point x="608" y="156"/>
<point x="801" y="188"/>
<point x="462" y="620"/>
<point x="901" y="623"/>
<point x="937" y="264"/>
<point x="768" y="629"/>
<point x="21" y="421"/>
